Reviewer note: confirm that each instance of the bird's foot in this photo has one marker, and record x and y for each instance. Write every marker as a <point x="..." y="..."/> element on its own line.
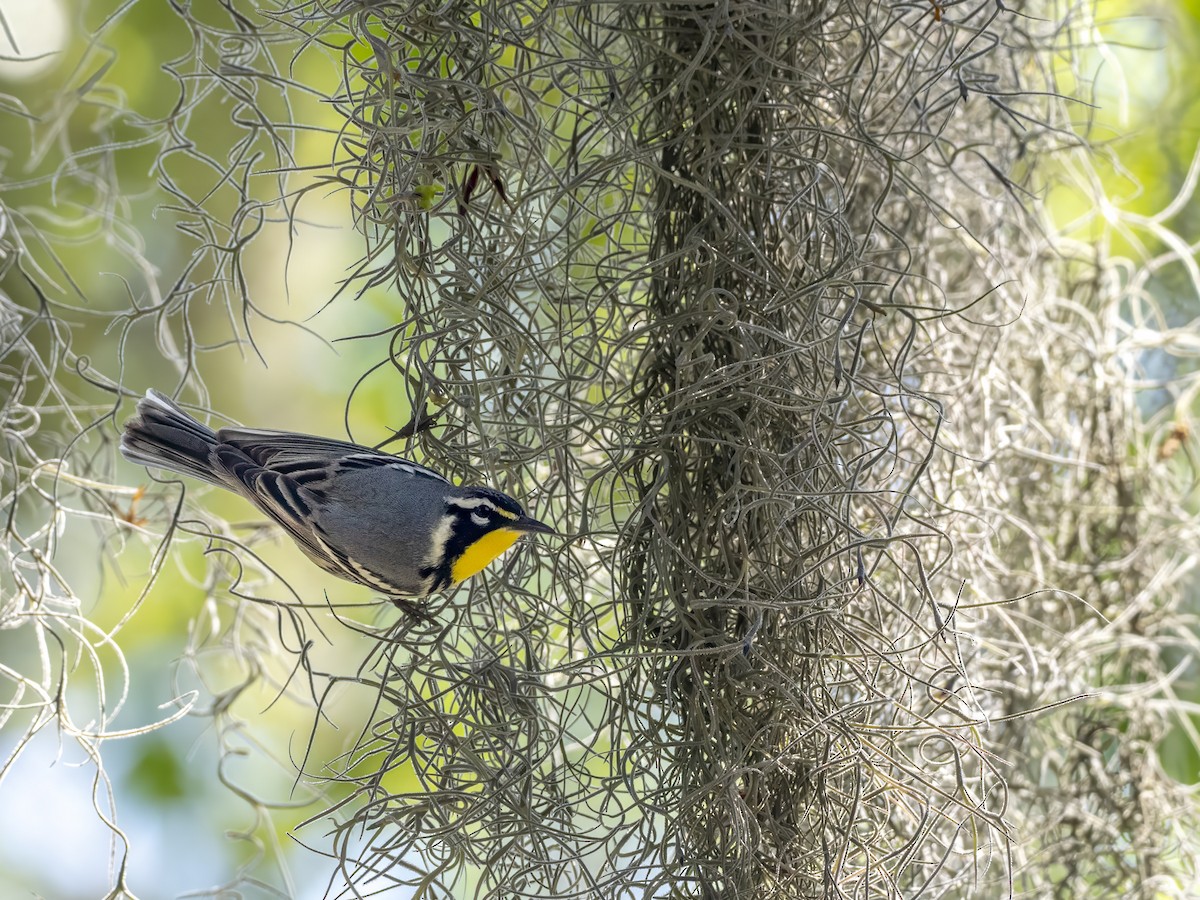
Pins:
<point x="415" y="609"/>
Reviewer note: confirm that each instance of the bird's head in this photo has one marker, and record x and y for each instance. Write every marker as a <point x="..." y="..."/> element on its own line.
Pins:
<point x="483" y="523"/>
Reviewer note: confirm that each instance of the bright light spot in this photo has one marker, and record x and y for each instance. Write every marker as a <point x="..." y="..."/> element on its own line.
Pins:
<point x="32" y="35"/>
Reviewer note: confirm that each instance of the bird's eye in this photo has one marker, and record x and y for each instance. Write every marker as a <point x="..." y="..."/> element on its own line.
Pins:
<point x="479" y="519"/>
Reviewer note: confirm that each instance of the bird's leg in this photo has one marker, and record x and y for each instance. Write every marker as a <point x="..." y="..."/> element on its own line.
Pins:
<point x="415" y="609"/>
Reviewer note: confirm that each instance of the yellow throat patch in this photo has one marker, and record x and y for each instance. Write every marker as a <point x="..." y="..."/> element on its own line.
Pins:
<point x="482" y="552"/>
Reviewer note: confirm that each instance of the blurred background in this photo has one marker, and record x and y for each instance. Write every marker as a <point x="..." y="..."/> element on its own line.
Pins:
<point x="283" y="366"/>
<point x="169" y="781"/>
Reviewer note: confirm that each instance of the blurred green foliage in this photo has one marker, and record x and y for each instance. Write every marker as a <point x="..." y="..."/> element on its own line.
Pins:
<point x="1145" y="124"/>
<point x="158" y="774"/>
<point x="90" y="147"/>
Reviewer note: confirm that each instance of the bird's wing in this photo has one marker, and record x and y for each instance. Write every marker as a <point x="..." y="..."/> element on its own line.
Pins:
<point x="310" y="460"/>
<point x="293" y="505"/>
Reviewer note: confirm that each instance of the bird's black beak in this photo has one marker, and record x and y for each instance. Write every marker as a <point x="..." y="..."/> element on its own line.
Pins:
<point x="526" y="523"/>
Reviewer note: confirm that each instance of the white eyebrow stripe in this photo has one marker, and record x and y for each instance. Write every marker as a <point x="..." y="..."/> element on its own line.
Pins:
<point x="471" y="502"/>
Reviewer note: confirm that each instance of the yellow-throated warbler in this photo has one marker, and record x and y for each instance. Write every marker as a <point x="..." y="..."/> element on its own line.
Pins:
<point x="367" y="516"/>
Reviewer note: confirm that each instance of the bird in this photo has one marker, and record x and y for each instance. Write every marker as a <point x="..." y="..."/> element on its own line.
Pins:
<point x="370" y="517"/>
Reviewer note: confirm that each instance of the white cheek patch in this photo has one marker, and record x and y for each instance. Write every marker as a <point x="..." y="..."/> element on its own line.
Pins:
<point x="438" y="541"/>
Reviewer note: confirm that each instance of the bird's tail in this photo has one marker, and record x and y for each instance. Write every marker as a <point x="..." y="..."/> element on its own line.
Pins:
<point x="164" y="436"/>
